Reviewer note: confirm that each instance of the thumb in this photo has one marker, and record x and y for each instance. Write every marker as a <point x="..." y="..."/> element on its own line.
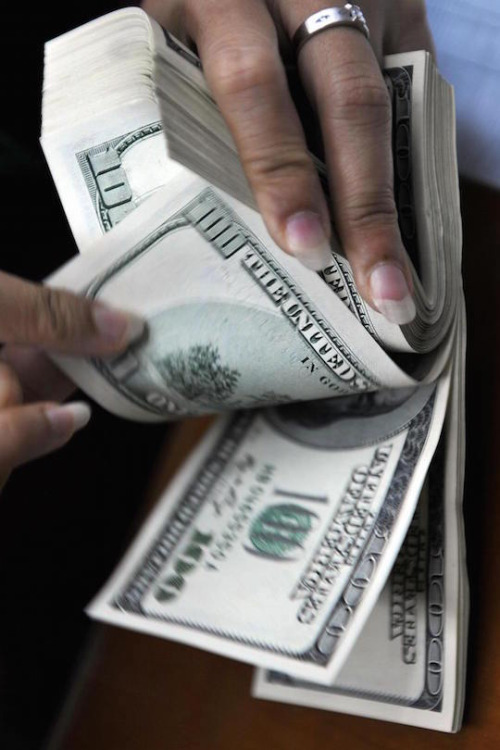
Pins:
<point x="60" y="321"/>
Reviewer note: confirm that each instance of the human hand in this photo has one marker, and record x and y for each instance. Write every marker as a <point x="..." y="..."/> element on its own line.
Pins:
<point x="242" y="44"/>
<point x="32" y="423"/>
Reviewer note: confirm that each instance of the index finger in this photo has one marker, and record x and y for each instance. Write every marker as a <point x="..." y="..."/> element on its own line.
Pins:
<point x="238" y="45"/>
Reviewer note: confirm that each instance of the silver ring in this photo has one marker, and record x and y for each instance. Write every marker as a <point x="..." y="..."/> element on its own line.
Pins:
<point x="348" y="15"/>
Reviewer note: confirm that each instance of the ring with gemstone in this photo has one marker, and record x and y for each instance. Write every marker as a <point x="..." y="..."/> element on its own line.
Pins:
<point x="348" y="15"/>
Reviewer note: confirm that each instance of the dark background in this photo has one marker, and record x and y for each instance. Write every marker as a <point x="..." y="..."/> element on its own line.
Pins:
<point x="64" y="519"/>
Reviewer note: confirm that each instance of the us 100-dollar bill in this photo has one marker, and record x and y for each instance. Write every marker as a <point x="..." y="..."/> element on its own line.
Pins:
<point x="276" y="542"/>
<point x="233" y="321"/>
<point x="408" y="663"/>
<point x="113" y="137"/>
<point x="276" y="539"/>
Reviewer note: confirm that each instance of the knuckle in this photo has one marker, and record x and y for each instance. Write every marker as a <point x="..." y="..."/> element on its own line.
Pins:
<point x="372" y="209"/>
<point x="278" y="161"/>
<point x="241" y="70"/>
<point x="361" y="98"/>
<point x="53" y="320"/>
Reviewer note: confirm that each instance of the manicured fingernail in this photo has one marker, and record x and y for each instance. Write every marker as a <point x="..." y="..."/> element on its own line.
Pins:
<point x="391" y="294"/>
<point x="68" y="418"/>
<point x="307" y="241"/>
<point x="116" y="326"/>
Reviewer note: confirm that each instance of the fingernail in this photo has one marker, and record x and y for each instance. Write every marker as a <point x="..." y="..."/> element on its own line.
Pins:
<point x="307" y="241"/>
<point x="391" y="294"/>
<point x="115" y="326"/>
<point x="68" y="418"/>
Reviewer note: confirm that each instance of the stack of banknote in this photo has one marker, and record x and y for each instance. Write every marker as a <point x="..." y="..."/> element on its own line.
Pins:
<point x="317" y="530"/>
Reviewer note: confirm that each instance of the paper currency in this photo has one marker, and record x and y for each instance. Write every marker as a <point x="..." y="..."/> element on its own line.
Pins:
<point x="103" y="133"/>
<point x="233" y="322"/>
<point x="276" y="542"/>
<point x="408" y="664"/>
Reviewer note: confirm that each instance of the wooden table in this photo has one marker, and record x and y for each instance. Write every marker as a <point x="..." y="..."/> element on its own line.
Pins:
<point x="134" y="692"/>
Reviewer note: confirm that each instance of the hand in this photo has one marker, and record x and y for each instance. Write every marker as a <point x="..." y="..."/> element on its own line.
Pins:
<point x="240" y="44"/>
<point x="37" y="317"/>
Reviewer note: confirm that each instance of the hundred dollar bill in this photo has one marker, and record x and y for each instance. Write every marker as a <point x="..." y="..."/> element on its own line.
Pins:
<point x="113" y="136"/>
<point x="276" y="539"/>
<point x="408" y="664"/>
<point x="233" y="321"/>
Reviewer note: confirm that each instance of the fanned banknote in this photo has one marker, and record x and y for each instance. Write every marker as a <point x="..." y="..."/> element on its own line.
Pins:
<point x="124" y="104"/>
<point x="233" y="321"/>
<point x="408" y="664"/>
<point x="317" y="531"/>
<point x="276" y="539"/>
